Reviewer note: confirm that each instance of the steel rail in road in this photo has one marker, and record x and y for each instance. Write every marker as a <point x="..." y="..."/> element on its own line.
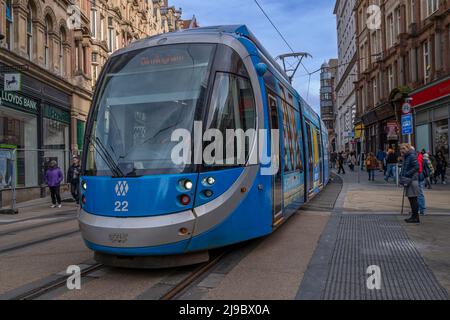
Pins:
<point x="53" y="285"/>
<point x="187" y="282"/>
<point x="38" y="241"/>
<point x="35" y="226"/>
<point x="56" y="214"/>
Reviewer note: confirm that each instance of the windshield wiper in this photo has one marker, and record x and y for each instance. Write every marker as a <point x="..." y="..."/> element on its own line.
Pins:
<point x="106" y="157"/>
<point x="149" y="139"/>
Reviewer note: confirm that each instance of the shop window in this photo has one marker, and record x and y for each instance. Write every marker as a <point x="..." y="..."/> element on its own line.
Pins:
<point x="19" y="130"/>
<point x="80" y="134"/>
<point x="423" y="137"/>
<point x="56" y="143"/>
<point x="440" y="137"/>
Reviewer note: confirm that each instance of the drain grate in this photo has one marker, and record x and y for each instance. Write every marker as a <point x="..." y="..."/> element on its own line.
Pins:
<point x="366" y="240"/>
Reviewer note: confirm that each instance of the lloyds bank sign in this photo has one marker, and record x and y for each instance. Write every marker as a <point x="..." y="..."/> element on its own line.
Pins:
<point x="17" y="101"/>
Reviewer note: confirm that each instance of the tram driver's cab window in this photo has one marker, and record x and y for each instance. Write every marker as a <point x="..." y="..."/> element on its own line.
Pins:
<point x="232" y="113"/>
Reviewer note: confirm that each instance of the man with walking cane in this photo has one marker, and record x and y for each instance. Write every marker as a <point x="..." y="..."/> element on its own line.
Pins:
<point x="409" y="179"/>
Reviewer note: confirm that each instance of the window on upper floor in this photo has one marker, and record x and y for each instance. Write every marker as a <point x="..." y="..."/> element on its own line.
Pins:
<point x="102" y="27"/>
<point x="9" y="35"/>
<point x="426" y="61"/>
<point x="431" y="7"/>
<point x="111" y="34"/>
<point x="390" y="30"/>
<point x="47" y="28"/>
<point x="390" y="72"/>
<point x="412" y="11"/>
<point x="30" y="32"/>
<point x="62" y="34"/>
<point x="93" y="20"/>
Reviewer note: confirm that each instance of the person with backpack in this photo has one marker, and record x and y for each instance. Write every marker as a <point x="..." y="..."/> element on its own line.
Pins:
<point x="381" y="155"/>
<point x="428" y="170"/>
<point x="421" y="197"/>
<point x="391" y="165"/>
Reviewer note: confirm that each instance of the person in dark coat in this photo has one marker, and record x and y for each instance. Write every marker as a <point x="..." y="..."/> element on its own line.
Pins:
<point x="54" y="177"/>
<point x="441" y="167"/>
<point x="73" y="177"/>
<point x="410" y="170"/>
<point x="340" y="162"/>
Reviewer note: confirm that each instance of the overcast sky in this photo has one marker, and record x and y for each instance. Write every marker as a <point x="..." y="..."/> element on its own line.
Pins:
<point x="307" y="25"/>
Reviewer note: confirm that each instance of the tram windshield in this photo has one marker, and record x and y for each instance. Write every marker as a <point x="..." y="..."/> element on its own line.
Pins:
<point x="144" y="96"/>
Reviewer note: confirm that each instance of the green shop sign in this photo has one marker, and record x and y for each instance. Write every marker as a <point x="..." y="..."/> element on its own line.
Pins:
<point x="56" y="114"/>
<point x="17" y="101"/>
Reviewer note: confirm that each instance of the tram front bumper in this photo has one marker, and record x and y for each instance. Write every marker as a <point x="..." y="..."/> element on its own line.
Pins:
<point x="142" y="232"/>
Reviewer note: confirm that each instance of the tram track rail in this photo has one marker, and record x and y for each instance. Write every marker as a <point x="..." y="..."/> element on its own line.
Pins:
<point x="26" y="244"/>
<point x="36" y="226"/>
<point x="190" y="280"/>
<point x="46" y="216"/>
<point x="53" y="284"/>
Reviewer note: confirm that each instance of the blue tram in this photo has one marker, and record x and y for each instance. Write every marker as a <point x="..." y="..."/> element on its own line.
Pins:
<point x="138" y="204"/>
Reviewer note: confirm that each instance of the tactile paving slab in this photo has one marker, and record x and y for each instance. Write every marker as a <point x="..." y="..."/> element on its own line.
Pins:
<point x="367" y="240"/>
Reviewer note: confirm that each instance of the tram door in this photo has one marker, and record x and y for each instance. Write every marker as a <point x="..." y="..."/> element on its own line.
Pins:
<point x="310" y="157"/>
<point x="276" y="179"/>
<point x="321" y="162"/>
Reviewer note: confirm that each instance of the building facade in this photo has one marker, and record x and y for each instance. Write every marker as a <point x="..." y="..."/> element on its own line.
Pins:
<point x="115" y="24"/>
<point x="345" y="108"/>
<point x="55" y="50"/>
<point x="406" y="56"/>
<point x="328" y="99"/>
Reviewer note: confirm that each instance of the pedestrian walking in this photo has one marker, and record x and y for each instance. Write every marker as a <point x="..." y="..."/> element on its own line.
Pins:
<point x="340" y="161"/>
<point x="371" y="166"/>
<point x="73" y="177"/>
<point x="428" y="170"/>
<point x="352" y="161"/>
<point x="421" y="197"/>
<point x="54" y="177"/>
<point x="441" y="167"/>
<point x="333" y="159"/>
<point x="409" y="179"/>
<point x="391" y="165"/>
<point x="381" y="155"/>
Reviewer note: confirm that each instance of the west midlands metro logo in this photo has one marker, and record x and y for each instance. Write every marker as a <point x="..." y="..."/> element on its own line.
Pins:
<point x="121" y="188"/>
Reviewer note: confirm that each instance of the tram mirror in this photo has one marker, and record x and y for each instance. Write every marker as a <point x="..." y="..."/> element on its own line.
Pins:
<point x="261" y="69"/>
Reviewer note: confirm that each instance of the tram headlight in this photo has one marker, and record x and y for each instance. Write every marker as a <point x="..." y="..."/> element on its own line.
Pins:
<point x="209" y="181"/>
<point x="188" y="185"/>
<point x="84" y="185"/>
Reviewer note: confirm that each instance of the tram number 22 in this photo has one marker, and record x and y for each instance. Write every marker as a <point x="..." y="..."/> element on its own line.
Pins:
<point x="121" y="206"/>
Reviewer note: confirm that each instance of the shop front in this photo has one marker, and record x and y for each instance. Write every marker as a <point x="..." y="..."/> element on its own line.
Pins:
<point x="432" y="116"/>
<point x="19" y="130"/>
<point x="33" y="123"/>
<point x="381" y="128"/>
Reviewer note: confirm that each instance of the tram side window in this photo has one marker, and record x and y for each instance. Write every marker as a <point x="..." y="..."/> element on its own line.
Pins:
<point x="232" y="114"/>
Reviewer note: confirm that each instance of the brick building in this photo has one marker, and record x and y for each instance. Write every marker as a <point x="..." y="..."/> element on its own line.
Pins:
<point x="403" y="53"/>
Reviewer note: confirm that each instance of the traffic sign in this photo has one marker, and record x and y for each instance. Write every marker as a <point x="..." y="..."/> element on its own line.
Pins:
<point x="406" y="108"/>
<point x="407" y="124"/>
